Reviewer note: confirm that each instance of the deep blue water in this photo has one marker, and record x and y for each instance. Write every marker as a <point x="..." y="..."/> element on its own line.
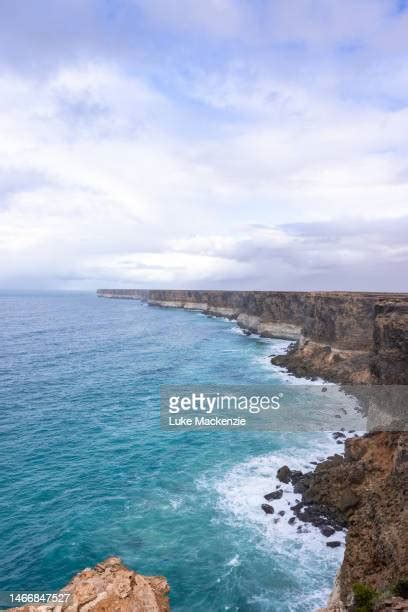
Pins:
<point x="86" y="471"/>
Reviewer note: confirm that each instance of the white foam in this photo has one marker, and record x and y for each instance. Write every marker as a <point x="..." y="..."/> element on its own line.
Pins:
<point x="279" y="347"/>
<point x="291" y="379"/>
<point x="241" y="493"/>
<point x="234" y="562"/>
<point x="175" y="502"/>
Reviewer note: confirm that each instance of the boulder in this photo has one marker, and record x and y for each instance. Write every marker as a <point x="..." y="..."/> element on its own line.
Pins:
<point x="284" y="474"/>
<point x="274" y="495"/>
<point x="327" y="531"/>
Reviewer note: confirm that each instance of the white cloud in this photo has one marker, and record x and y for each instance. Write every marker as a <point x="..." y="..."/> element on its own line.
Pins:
<point x="157" y="173"/>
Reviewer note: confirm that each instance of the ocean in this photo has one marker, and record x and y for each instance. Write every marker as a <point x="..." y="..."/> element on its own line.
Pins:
<point x="86" y="471"/>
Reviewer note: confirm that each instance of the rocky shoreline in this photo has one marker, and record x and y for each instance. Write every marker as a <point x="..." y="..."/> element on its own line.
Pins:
<point x="312" y="507"/>
<point x="365" y="493"/>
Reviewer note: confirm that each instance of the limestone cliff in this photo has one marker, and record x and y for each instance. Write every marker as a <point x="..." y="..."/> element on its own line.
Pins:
<point x="110" y="587"/>
<point x="340" y="336"/>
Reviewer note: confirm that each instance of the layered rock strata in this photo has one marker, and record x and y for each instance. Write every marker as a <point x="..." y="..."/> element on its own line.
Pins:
<point x="345" y="337"/>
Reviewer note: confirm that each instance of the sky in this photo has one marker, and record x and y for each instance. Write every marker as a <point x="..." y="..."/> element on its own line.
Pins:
<point x="238" y="144"/>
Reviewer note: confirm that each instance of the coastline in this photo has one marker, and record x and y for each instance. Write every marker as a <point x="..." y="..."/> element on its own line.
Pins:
<point x="374" y="354"/>
<point x="373" y="468"/>
<point x="344" y="337"/>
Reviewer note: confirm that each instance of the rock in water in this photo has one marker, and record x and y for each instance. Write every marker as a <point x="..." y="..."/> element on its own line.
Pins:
<point x="267" y="509"/>
<point x="274" y="495"/>
<point x="333" y="544"/>
<point x="110" y="586"/>
<point x="284" y="474"/>
<point x="327" y="530"/>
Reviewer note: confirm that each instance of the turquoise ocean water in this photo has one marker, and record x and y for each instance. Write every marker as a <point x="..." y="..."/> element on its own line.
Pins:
<point x="86" y="471"/>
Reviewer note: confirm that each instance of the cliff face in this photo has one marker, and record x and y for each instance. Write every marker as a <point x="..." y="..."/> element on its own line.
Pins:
<point x="124" y="294"/>
<point x="370" y="487"/>
<point x="344" y="337"/>
<point x="389" y="358"/>
<point x="108" y="587"/>
<point x="354" y="339"/>
<point x="272" y="314"/>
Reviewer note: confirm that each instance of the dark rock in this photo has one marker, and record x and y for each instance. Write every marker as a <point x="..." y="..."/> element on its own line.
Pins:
<point x="338" y="434"/>
<point x="274" y="495"/>
<point x="281" y="512"/>
<point x="303" y="483"/>
<point x="292" y="520"/>
<point x="295" y="476"/>
<point x="333" y="544"/>
<point x="284" y="474"/>
<point x="327" y="530"/>
<point x="267" y="509"/>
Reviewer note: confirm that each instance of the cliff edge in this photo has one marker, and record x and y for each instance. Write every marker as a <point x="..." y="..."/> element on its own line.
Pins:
<point x="346" y="337"/>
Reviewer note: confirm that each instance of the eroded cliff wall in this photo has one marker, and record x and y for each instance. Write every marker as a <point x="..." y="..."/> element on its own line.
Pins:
<point x="345" y="337"/>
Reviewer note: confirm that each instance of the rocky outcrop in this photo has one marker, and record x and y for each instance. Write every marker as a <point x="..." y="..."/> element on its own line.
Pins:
<point x="366" y="491"/>
<point x="110" y="587"/>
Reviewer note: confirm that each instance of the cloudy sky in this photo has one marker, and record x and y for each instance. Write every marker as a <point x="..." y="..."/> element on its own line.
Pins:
<point x="226" y="143"/>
